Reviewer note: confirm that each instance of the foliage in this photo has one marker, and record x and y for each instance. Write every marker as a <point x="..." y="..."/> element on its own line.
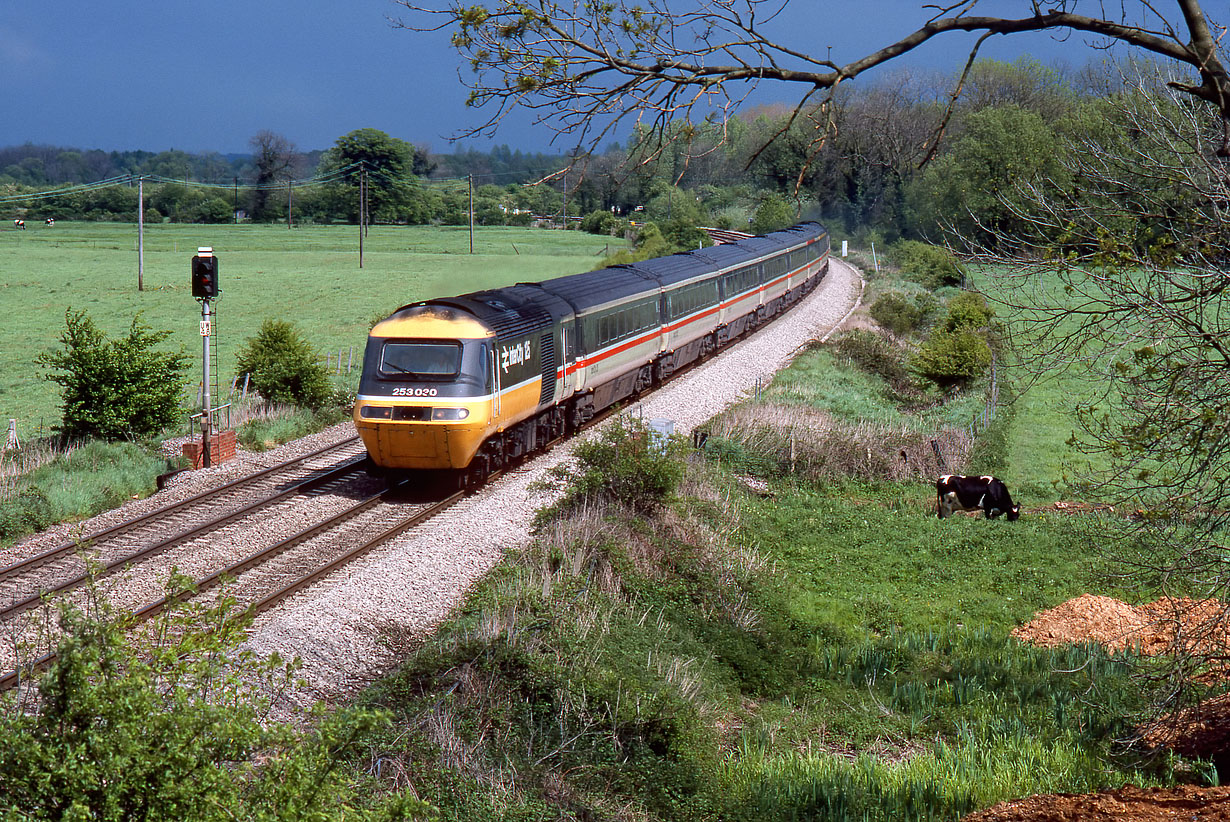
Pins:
<point x="86" y="480"/>
<point x="627" y="464"/>
<point x="390" y="164"/>
<point x="172" y="723"/>
<point x="928" y="265"/>
<point x="114" y="388"/>
<point x="872" y="353"/>
<point x="952" y="358"/>
<point x="773" y="214"/>
<point x="283" y="366"/>
<point x="603" y="222"/>
<point x="899" y="314"/>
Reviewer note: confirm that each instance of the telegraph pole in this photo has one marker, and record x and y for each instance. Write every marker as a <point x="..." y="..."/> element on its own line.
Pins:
<point x="471" y="213"/>
<point x="362" y="209"/>
<point x="140" y="233"/>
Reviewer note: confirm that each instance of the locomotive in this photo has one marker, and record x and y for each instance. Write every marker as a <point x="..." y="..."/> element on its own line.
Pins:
<point x="464" y="384"/>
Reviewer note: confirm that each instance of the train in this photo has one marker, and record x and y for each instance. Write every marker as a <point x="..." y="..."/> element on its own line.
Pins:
<point x="463" y="385"/>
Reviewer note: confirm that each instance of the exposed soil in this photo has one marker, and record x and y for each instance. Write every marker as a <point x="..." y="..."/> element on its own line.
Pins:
<point x="1128" y="804"/>
<point x="1155" y="628"/>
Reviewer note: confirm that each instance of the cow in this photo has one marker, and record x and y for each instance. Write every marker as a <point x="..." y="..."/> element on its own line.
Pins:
<point x="21" y="224"/>
<point x="50" y="222"/>
<point x="954" y="492"/>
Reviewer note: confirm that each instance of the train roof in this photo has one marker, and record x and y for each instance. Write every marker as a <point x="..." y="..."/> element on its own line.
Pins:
<point x="671" y="269"/>
<point x="596" y="288"/>
<point x="517" y="309"/>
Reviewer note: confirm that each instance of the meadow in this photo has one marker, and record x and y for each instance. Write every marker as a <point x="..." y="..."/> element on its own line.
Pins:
<point x="309" y="275"/>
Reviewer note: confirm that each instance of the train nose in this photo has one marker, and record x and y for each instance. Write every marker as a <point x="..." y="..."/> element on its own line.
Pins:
<point x="410" y="442"/>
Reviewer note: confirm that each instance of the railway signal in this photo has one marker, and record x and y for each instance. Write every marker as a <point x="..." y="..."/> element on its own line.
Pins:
<point x="205" y="274"/>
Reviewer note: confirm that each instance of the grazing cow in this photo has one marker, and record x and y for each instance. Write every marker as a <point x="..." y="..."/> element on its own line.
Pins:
<point x="51" y="221"/>
<point x="954" y="492"/>
<point x="19" y="224"/>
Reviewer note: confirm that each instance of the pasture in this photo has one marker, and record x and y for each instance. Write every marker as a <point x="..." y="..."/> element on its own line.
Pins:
<point x="309" y="275"/>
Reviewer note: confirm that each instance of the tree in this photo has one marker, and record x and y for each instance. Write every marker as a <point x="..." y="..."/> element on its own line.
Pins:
<point x="115" y="389"/>
<point x="389" y="167"/>
<point x="1139" y="243"/>
<point x="283" y="367"/>
<point x="584" y="68"/>
<point x="274" y="156"/>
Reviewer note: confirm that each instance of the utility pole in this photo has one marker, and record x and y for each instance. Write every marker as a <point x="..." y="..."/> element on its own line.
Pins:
<point x="140" y="233"/>
<point x="290" y="203"/>
<point x="362" y="209"/>
<point x="236" y="201"/>
<point x="471" y="213"/>
<point x="565" y="199"/>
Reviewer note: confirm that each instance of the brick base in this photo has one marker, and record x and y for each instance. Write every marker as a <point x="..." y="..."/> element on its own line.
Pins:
<point x="222" y="450"/>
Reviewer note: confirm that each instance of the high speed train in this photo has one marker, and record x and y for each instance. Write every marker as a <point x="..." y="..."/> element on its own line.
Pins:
<point x="464" y="384"/>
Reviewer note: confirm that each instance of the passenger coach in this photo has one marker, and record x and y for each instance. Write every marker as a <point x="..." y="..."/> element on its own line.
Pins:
<point x="466" y="383"/>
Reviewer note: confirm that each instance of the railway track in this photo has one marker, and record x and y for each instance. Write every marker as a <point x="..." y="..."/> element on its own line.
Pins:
<point x="261" y="577"/>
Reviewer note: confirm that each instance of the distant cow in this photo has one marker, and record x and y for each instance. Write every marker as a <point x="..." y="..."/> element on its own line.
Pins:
<point x="954" y="492"/>
<point x="19" y="224"/>
<point x="51" y="221"/>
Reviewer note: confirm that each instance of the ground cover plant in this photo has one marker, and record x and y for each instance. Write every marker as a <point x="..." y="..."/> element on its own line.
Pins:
<point x="309" y="276"/>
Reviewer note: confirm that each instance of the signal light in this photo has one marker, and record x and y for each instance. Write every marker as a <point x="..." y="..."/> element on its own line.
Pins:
<point x="205" y="274"/>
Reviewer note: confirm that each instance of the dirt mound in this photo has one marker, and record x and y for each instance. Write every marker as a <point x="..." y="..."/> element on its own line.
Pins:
<point x="1128" y="804"/>
<point x="1164" y="626"/>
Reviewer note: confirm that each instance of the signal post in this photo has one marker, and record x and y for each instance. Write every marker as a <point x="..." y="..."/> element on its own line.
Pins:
<point x="204" y="289"/>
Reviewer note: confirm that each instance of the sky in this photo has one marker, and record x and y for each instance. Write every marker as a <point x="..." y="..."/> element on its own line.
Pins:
<point x="199" y="76"/>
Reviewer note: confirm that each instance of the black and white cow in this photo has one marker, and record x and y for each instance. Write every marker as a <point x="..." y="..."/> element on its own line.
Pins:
<point x="21" y="224"/>
<point x="50" y="222"/>
<point x="954" y="492"/>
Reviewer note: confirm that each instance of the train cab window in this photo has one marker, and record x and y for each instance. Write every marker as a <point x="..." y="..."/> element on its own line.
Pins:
<point x="420" y="360"/>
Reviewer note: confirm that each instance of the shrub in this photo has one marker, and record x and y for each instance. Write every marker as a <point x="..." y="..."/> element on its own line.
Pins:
<point x="602" y="222"/>
<point x="872" y="353"/>
<point x="630" y="466"/>
<point x="930" y="266"/>
<point x="950" y="358"/>
<point x="283" y="366"/>
<point x="899" y="314"/>
<point x="115" y="389"/>
<point x="968" y="310"/>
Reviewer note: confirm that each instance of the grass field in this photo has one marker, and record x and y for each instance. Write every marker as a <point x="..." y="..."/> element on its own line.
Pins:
<point x="309" y="275"/>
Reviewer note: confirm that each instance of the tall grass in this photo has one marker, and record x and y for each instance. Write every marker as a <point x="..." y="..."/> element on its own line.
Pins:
<point x="75" y="484"/>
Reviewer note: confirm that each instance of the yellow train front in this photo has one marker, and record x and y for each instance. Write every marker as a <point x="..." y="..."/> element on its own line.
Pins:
<point x="446" y="383"/>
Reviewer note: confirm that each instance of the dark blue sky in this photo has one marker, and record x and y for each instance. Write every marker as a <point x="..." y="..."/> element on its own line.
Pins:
<point x="197" y="76"/>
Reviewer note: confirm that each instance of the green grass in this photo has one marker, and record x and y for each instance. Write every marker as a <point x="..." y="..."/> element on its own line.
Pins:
<point x="309" y="275"/>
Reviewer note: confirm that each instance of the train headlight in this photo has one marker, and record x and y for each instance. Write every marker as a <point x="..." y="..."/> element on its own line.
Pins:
<point x="375" y="412"/>
<point x="449" y="414"/>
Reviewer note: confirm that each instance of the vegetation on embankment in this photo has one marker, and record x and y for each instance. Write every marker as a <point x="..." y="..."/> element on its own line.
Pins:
<point x="788" y="633"/>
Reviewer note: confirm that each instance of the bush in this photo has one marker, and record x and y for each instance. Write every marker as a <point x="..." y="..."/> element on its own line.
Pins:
<point x="872" y="353"/>
<point x="900" y="315"/>
<point x="950" y="358"/>
<point x="629" y="466"/>
<point x="772" y="214"/>
<point x="115" y="389"/>
<point x="603" y="222"/>
<point x="930" y="266"/>
<point x="283" y="367"/>
<point x="969" y="311"/>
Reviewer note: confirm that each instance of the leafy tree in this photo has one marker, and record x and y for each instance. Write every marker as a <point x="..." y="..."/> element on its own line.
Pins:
<point x="389" y="164"/>
<point x="283" y="367"/>
<point x="115" y="388"/>
<point x="772" y="214"/>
